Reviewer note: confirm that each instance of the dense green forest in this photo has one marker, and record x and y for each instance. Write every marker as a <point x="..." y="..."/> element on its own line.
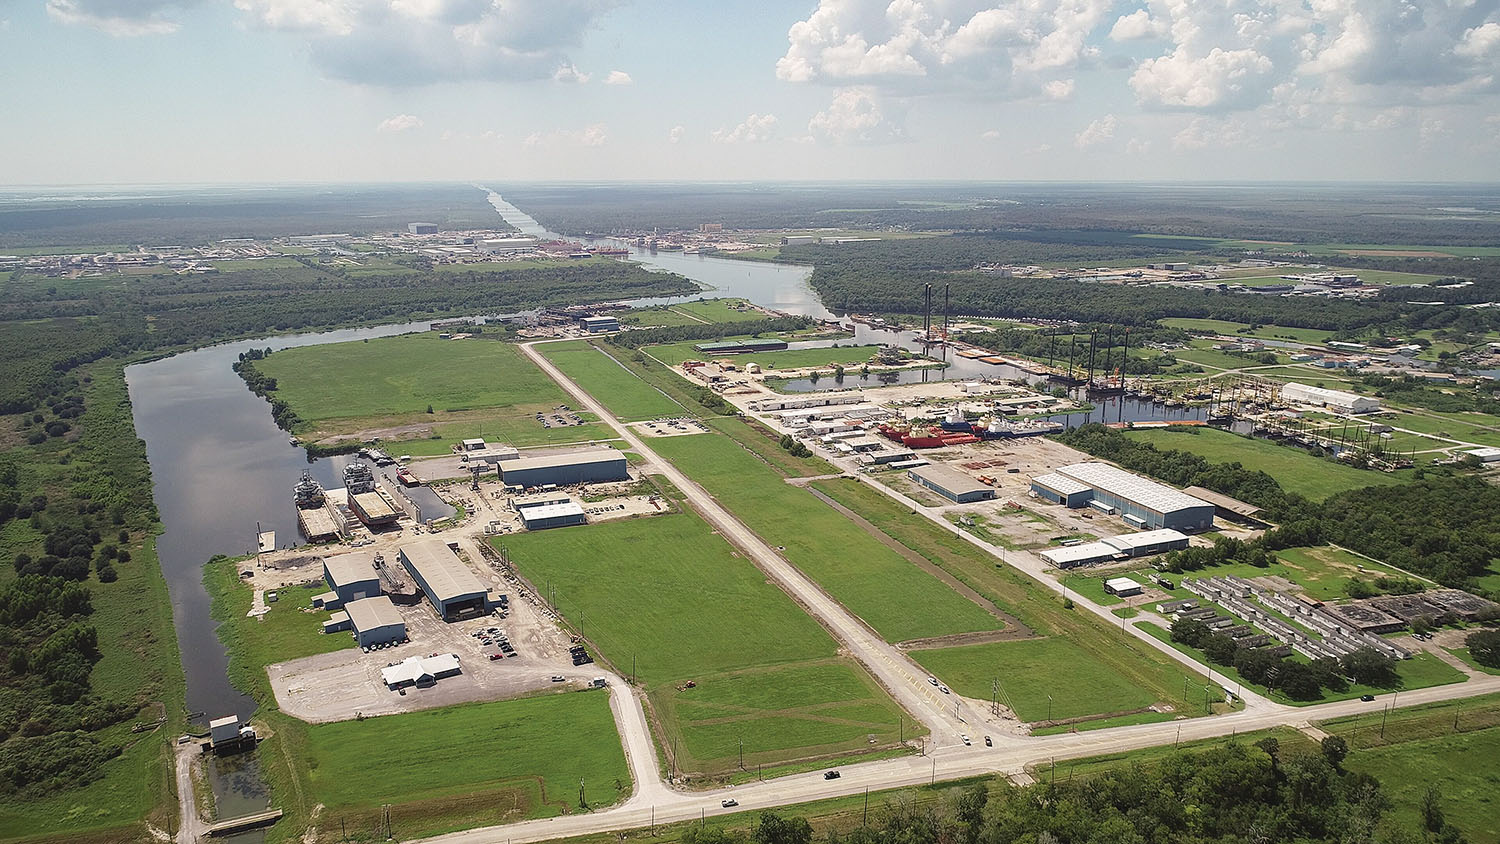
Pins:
<point x="1443" y="525"/>
<point x="1232" y="793"/>
<point x="190" y="216"/>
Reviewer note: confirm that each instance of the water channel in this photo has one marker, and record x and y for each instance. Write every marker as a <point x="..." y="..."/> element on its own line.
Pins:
<point x="222" y="470"/>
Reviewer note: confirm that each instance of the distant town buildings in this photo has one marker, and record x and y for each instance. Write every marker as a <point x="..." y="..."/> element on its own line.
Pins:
<point x="422" y="228"/>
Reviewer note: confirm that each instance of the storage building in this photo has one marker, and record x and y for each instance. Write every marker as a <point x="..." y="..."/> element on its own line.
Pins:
<point x="351" y="577"/>
<point x="578" y="467"/>
<point x="420" y="670"/>
<point x="1060" y="490"/>
<point x="1085" y="554"/>
<point x="422" y="228"/>
<point x="1142" y="503"/>
<point x="453" y="590"/>
<point x="951" y="483"/>
<point x="543" y="516"/>
<point x="1148" y="542"/>
<point x="1124" y="587"/>
<point x="598" y="324"/>
<point x="375" y="621"/>
<point x="735" y="347"/>
<point x="1335" y="400"/>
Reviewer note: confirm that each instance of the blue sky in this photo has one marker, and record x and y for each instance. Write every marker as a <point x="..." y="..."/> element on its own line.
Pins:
<point x="334" y="90"/>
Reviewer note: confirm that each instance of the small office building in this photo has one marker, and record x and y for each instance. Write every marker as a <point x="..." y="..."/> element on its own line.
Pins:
<point x="350" y="577"/>
<point x="451" y="588"/>
<point x="951" y="483"/>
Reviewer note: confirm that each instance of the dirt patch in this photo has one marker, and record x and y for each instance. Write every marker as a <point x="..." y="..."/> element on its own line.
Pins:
<point x="954" y="640"/>
<point x="1396" y="253"/>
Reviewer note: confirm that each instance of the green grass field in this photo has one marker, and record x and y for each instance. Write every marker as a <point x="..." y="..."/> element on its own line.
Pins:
<point x="668" y="597"/>
<point x="1213" y="359"/>
<point x="1029" y="671"/>
<point x="673" y="354"/>
<point x="876" y="583"/>
<point x="1448" y="745"/>
<point x="476" y="388"/>
<point x="1088" y="645"/>
<point x="1296" y="470"/>
<point x="627" y="396"/>
<point x="1242" y="329"/>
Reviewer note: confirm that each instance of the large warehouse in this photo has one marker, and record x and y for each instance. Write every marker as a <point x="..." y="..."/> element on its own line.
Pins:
<point x="543" y="516"/>
<point x="1140" y="502"/>
<point x="1335" y="400"/>
<point x="351" y="577"/>
<point x="1060" y="490"/>
<point x="375" y="621"/>
<point x="951" y="483"/>
<point x="577" y="467"/>
<point x="453" y="590"/>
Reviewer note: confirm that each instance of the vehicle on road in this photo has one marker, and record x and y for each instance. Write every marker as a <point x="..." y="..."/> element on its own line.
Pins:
<point x="496" y="655"/>
<point x="731" y="802"/>
<point x="830" y="775"/>
<point x="987" y="742"/>
<point x="966" y="741"/>
<point x="558" y="678"/>
<point x="943" y="689"/>
<point x="1366" y="698"/>
<point x="932" y="680"/>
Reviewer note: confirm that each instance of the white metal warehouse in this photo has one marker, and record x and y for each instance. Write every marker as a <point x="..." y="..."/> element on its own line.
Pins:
<point x="453" y="590"/>
<point x="1335" y="400"/>
<point x="1141" y="503"/>
<point x="375" y="621"/>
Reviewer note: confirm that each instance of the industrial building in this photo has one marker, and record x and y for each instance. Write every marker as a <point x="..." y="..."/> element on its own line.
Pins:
<point x="1140" y="502"/>
<point x="1122" y="587"/>
<point x="736" y="347"/>
<point x="1114" y="548"/>
<point x="453" y="590"/>
<point x="351" y="577"/>
<point x="422" y="228"/>
<point x="1335" y="400"/>
<point x="599" y="324"/>
<point x="951" y="483"/>
<point x="375" y="621"/>
<point x="579" y="467"/>
<point x="544" y="516"/>
<point x="506" y="245"/>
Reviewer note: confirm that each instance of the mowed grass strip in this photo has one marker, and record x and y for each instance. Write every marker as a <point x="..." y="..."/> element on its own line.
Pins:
<point x="891" y="594"/>
<point x="667" y="596"/>
<point x="627" y="396"/>
<point x="673" y="354"/>
<point x="1097" y="648"/>
<point x="539" y="747"/>
<point x="1296" y="470"/>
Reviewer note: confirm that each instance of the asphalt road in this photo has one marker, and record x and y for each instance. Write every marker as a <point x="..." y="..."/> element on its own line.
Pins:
<point x="655" y="802"/>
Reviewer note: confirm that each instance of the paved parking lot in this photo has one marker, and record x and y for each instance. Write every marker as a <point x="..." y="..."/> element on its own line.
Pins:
<point x="344" y="684"/>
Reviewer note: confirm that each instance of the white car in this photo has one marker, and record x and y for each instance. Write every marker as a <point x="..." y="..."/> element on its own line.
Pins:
<point x="943" y="689"/>
<point x="965" y="739"/>
<point x="730" y="803"/>
<point x="932" y="680"/>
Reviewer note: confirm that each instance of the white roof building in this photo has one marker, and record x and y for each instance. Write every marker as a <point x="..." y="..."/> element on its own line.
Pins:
<point x="420" y="670"/>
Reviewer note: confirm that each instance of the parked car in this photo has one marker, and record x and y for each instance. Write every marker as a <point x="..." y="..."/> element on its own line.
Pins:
<point x="943" y="689"/>
<point x="965" y="740"/>
<point x="496" y="655"/>
<point x="932" y="680"/>
<point x="987" y="742"/>
<point x="831" y="775"/>
<point x="558" y="678"/>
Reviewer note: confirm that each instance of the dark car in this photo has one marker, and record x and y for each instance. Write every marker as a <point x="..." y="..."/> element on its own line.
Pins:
<point x="831" y="775"/>
<point x="1366" y="698"/>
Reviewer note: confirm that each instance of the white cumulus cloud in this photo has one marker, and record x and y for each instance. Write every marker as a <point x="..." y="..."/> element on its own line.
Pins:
<point x="418" y="42"/>
<point x="400" y="123"/>
<point x="618" y="77"/>
<point x="569" y="74"/>
<point x="1096" y="133"/>
<point x="757" y="128"/>
<point x="123" y="18"/>
<point x="854" y="116"/>
<point x="593" y="135"/>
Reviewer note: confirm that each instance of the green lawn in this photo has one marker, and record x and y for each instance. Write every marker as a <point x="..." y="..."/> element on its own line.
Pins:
<point x="1094" y="647"/>
<point x="291" y="629"/>
<point x="627" y="396"/>
<point x="667" y="596"/>
<point x="525" y="758"/>
<point x="1242" y="329"/>
<point x="674" y="354"/>
<point x="476" y="388"/>
<point x="1030" y="670"/>
<point x="1296" y="470"/>
<point x="1202" y="354"/>
<point x="876" y="583"/>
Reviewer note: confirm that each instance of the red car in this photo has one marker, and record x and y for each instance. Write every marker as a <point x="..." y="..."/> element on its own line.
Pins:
<point x="497" y="655"/>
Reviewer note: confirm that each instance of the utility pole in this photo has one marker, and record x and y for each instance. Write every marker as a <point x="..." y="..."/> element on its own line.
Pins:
<point x="742" y="753"/>
<point x="1049" y="707"/>
<point x="581" y="801"/>
<point x="866" y="820"/>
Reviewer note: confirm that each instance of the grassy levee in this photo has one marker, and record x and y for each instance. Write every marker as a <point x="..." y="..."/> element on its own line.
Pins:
<point x="1069" y="642"/>
<point x="627" y="397"/>
<point x="527" y="755"/>
<point x="897" y="599"/>
<point x="1450" y="746"/>
<point x="139" y="662"/>
<point x="665" y="598"/>
<point x="674" y="354"/>
<point x="476" y="388"/>
<point x="1295" y="469"/>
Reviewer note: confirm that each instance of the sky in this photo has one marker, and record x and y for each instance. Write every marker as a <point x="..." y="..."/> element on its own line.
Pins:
<point x="151" y="91"/>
